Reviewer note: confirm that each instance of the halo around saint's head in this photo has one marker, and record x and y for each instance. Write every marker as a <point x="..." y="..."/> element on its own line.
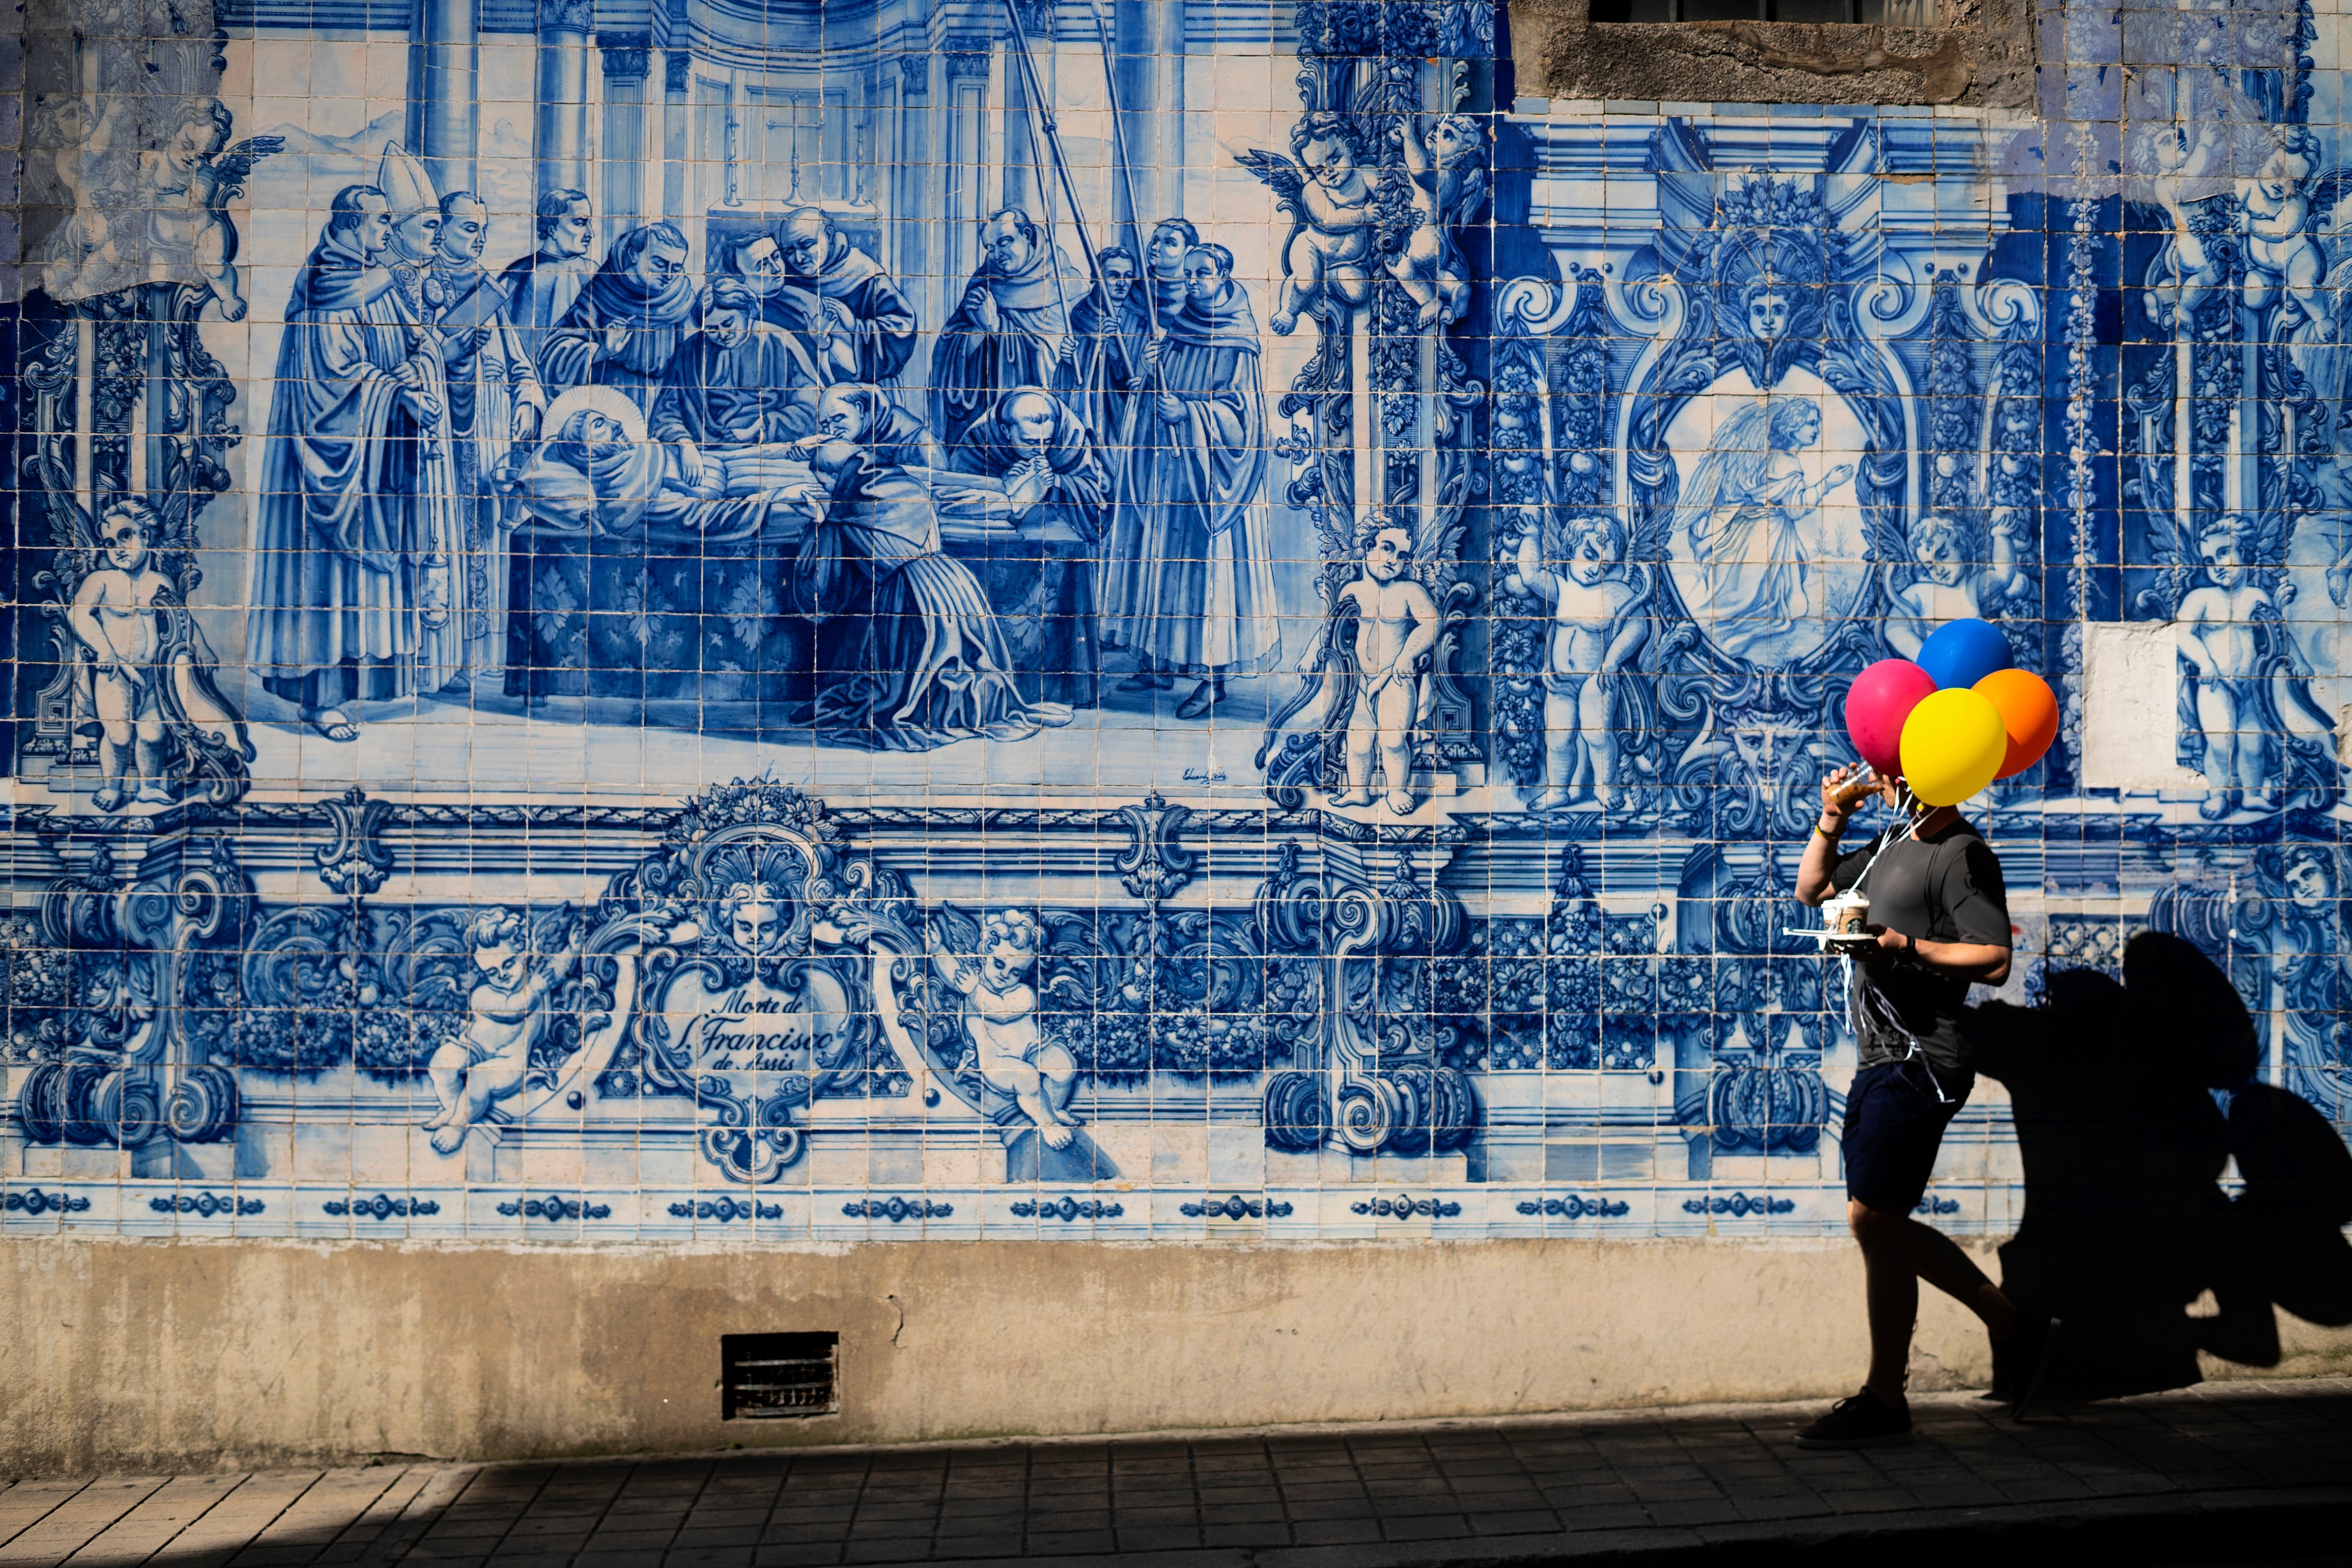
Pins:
<point x="610" y="401"/>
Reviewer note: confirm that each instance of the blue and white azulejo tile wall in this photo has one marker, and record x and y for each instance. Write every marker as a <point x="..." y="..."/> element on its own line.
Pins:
<point x="797" y="622"/>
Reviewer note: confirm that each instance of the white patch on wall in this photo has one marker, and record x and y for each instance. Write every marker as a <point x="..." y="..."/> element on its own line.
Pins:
<point x="2131" y="725"/>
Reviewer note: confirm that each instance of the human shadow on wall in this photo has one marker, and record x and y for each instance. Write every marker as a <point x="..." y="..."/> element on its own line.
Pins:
<point x="2126" y="1226"/>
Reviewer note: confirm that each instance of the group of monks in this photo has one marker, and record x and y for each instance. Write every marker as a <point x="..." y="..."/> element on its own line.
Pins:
<point x="1124" y="397"/>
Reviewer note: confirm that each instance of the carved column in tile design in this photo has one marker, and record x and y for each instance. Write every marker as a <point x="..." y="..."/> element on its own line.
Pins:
<point x="1149" y="42"/>
<point x="1028" y="164"/>
<point x="961" y="174"/>
<point x="444" y="117"/>
<point x="627" y="59"/>
<point x="135" y="1055"/>
<point x="906" y="168"/>
<point x="677" y="121"/>
<point x="561" y="149"/>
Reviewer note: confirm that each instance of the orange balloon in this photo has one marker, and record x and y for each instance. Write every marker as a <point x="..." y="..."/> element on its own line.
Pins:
<point x="2028" y="711"/>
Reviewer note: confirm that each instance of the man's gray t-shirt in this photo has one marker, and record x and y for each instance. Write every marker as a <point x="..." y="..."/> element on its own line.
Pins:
<point x="1943" y="888"/>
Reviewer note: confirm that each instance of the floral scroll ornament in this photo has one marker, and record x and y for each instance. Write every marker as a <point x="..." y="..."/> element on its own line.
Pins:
<point x="136" y="1053"/>
<point x="1155" y="865"/>
<point x="1380" y="1080"/>
<point x="355" y="862"/>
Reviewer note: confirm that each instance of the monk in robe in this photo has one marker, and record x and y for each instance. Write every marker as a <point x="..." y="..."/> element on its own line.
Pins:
<point x="909" y="654"/>
<point x="1044" y="589"/>
<point x="1102" y="359"/>
<point x="860" y="304"/>
<point x="415" y="245"/>
<point x="596" y="476"/>
<point x="540" y="287"/>
<point x="1008" y="332"/>
<point x="356" y="481"/>
<point x="495" y="408"/>
<point x="1151" y="309"/>
<point x="739" y="380"/>
<point x="1188" y="566"/>
<point x="759" y="264"/>
<point x="628" y="324"/>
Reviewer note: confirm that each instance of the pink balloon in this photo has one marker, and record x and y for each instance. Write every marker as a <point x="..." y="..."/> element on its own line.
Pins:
<point x="1880" y="699"/>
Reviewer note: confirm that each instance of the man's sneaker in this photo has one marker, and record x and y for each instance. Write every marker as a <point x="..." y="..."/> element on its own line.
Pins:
<point x="1861" y="1422"/>
<point x="2021" y="1367"/>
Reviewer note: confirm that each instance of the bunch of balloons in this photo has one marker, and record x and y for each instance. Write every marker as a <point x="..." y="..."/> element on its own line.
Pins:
<point x="1955" y="720"/>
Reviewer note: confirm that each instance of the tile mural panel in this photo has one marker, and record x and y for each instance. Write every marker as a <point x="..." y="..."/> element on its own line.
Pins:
<point x="1151" y="618"/>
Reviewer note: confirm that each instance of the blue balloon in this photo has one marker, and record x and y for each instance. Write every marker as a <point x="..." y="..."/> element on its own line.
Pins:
<point x="1962" y="653"/>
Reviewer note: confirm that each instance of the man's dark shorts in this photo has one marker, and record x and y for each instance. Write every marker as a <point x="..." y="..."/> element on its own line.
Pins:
<point x="1894" y="1124"/>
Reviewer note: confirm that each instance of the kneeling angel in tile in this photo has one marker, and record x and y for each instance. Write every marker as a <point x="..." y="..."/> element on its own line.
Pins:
<point x="518" y="965"/>
<point x="999" y="1022"/>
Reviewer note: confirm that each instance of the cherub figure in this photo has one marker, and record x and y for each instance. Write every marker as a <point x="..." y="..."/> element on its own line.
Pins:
<point x="2281" y="254"/>
<point x="2244" y="693"/>
<point x="84" y="255"/>
<point x="182" y="186"/>
<point x="1334" y="210"/>
<point x="1963" y="573"/>
<point x="2188" y="271"/>
<point x="489" y="1061"/>
<point x="1396" y="626"/>
<point x="120" y="614"/>
<point x="1598" y="626"/>
<point x="1449" y="184"/>
<point x="1001" y="1022"/>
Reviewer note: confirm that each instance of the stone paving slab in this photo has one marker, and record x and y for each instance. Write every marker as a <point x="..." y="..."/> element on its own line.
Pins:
<point x="2235" y="1471"/>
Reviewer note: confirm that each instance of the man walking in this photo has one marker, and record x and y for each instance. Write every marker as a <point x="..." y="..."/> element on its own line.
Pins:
<point x="1940" y="916"/>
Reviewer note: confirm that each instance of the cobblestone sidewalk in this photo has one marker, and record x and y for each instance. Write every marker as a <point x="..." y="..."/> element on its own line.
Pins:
<point x="2223" y="1472"/>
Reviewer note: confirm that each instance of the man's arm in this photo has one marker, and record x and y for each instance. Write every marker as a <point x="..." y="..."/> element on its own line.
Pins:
<point x="1983" y="962"/>
<point x="1822" y="852"/>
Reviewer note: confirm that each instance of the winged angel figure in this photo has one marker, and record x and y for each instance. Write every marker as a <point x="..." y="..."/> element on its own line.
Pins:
<point x="184" y="185"/>
<point x="1368" y="673"/>
<point x="1747" y="512"/>
<point x="1025" y="1077"/>
<point x="1346" y="219"/>
<point x="518" y="965"/>
<point x="1335" y="213"/>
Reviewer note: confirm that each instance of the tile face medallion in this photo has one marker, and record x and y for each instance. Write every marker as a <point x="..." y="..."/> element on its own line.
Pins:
<point x="1104" y="621"/>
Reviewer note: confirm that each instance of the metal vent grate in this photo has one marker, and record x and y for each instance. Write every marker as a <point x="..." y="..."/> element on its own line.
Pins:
<point x="768" y="1377"/>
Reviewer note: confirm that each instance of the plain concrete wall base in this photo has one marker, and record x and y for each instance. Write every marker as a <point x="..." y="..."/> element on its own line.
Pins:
<point x="148" y="1355"/>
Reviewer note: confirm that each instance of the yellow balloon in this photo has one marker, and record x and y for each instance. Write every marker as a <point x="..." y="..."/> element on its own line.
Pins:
<point x="1953" y="745"/>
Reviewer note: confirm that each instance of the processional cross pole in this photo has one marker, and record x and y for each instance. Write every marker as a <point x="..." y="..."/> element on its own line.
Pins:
<point x="1043" y="110"/>
<point x="1135" y="219"/>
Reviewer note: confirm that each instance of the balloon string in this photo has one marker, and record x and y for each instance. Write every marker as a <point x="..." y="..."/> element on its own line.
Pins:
<point x="1909" y="825"/>
<point x="1867" y="995"/>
